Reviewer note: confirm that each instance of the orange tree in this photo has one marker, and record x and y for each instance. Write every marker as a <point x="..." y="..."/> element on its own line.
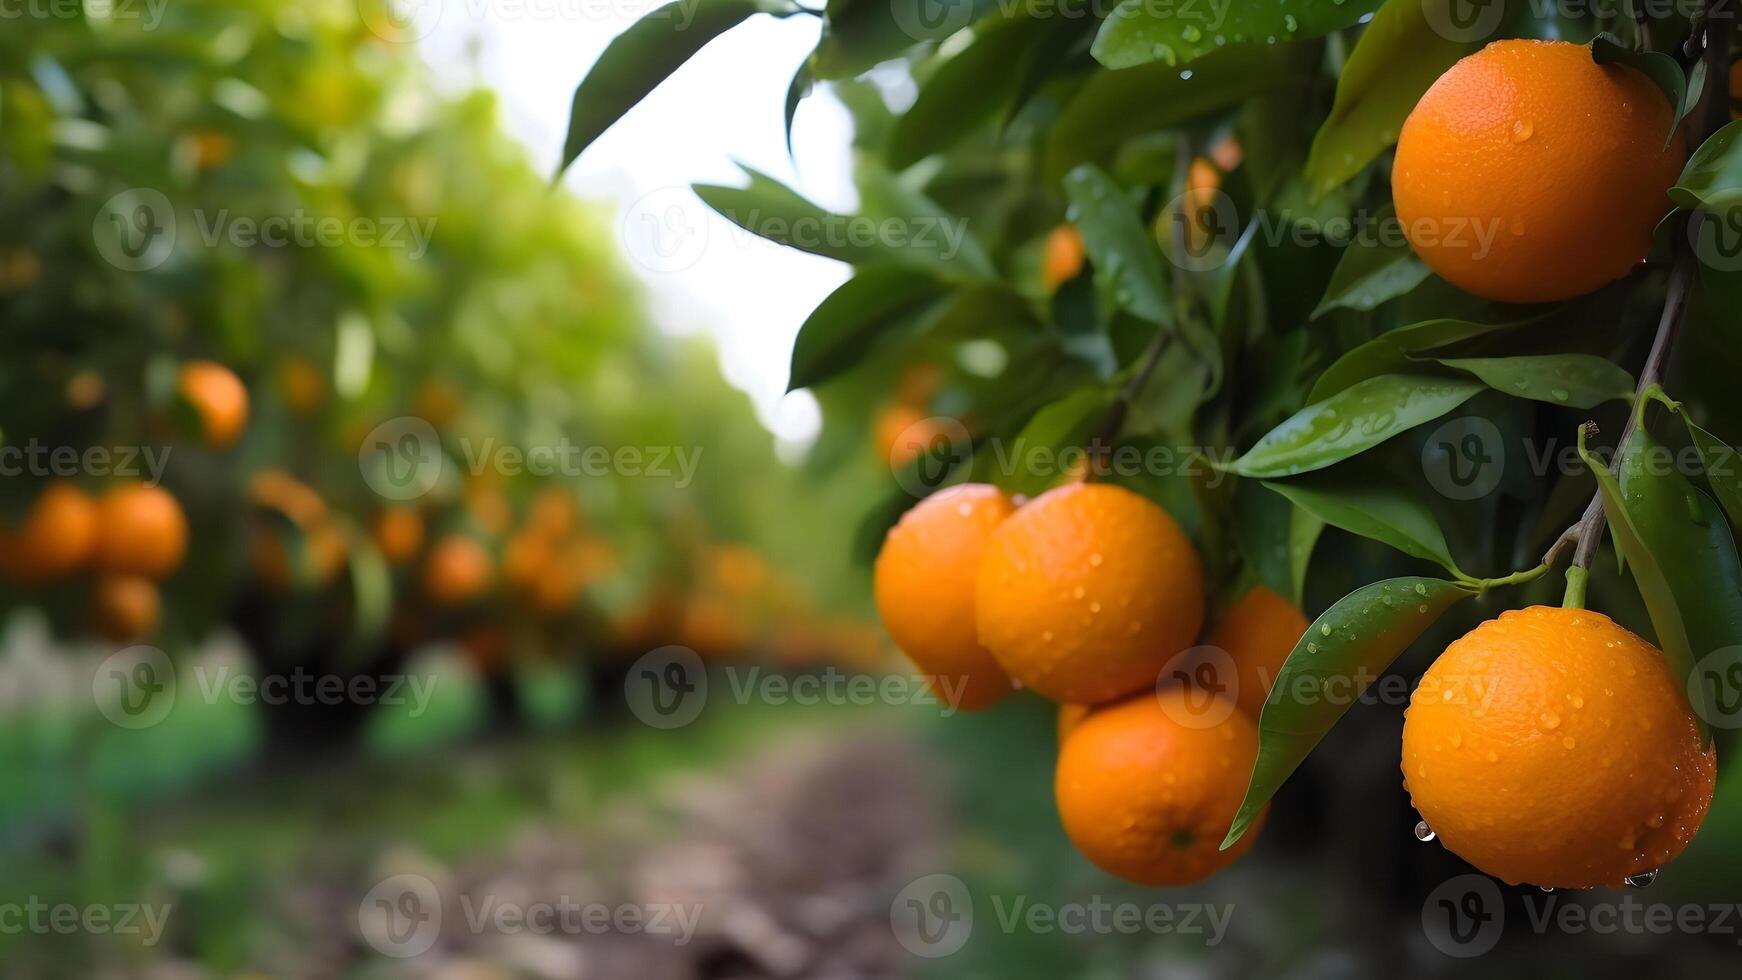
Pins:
<point x="249" y="251"/>
<point x="1377" y="301"/>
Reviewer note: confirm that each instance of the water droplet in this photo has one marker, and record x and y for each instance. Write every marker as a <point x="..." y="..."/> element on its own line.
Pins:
<point x="1560" y="394"/>
<point x="1550" y="720"/>
<point x="1077" y="593"/>
<point x="1185" y="76"/>
<point x="1546" y="888"/>
<point x="1642" y="879"/>
<point x="1420" y="587"/>
<point x="1290" y="23"/>
<point x="1423" y="832"/>
<point x="1192" y="34"/>
<point x="1325" y="630"/>
<point x="1521" y="130"/>
<point x="1096" y="559"/>
<point x="1094" y="607"/>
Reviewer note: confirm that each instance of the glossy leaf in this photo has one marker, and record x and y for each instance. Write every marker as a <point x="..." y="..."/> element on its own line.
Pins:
<point x="769" y="209"/>
<point x="1723" y="467"/>
<point x="860" y="34"/>
<point x="1648" y="570"/>
<point x="1343" y="651"/>
<point x="1663" y="71"/>
<point x="1365" y="500"/>
<point x="643" y="56"/>
<point x="1398" y="57"/>
<point x="1371" y="272"/>
<point x="845" y="325"/>
<point x="1352" y="421"/>
<point x="1138" y="32"/>
<point x="1113" y="106"/>
<point x="928" y="235"/>
<point x="1389" y="353"/>
<point x="1275" y="537"/>
<point x="1578" y="380"/>
<point x="1030" y="465"/>
<point x="1713" y="177"/>
<point x="1129" y="268"/>
<point x="967" y="90"/>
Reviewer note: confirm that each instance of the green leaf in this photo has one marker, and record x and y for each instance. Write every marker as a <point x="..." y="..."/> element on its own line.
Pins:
<point x="1398" y="57"/>
<point x="1389" y="353"/>
<point x="1371" y="272"/>
<point x="1353" y="421"/>
<point x="966" y="90"/>
<point x="1723" y="467"/>
<point x="928" y="235"/>
<point x="1113" y="106"/>
<point x="1275" y="537"/>
<point x="1713" y="177"/>
<point x="1684" y="529"/>
<point x="644" y="55"/>
<point x="1141" y="31"/>
<point x="1648" y="572"/>
<point x="1129" y="268"/>
<point x="860" y="34"/>
<point x="1342" y="652"/>
<point x="1367" y="501"/>
<point x="845" y="325"/>
<point x="1578" y="380"/>
<point x="1032" y="463"/>
<point x="795" y="93"/>
<point x="1663" y="71"/>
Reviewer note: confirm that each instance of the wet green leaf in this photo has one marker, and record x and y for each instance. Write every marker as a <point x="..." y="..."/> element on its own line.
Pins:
<point x="968" y="89"/>
<point x="1723" y="467"/>
<point x="1129" y="268"/>
<point x="1578" y="380"/>
<point x="1389" y="353"/>
<point x="1343" y="651"/>
<point x="845" y="325"/>
<point x="1352" y="421"/>
<point x="1141" y="31"/>
<point x="1713" y="177"/>
<point x="1275" y="537"/>
<point x="1371" y="272"/>
<point x="1032" y="462"/>
<point x="1367" y="501"/>
<point x="1398" y="57"/>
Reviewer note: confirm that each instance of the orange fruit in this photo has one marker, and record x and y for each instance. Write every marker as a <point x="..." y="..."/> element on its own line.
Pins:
<point x="56" y="538"/>
<point x="1147" y="788"/>
<point x="126" y="608"/>
<point x="141" y="530"/>
<point x="1203" y="182"/>
<point x="1553" y="747"/>
<point x="1258" y="632"/>
<point x="218" y="397"/>
<point x="210" y="148"/>
<point x="399" y="534"/>
<point x="1529" y="173"/>
<point x="1063" y="256"/>
<point x="489" y="508"/>
<point x="1070" y="716"/>
<point x="323" y="553"/>
<point x="278" y="490"/>
<point x="924" y="584"/>
<point x="1086" y="593"/>
<point x="301" y="384"/>
<point x="554" y="513"/>
<point x="901" y="432"/>
<point x="713" y="627"/>
<point x="85" y="391"/>
<point x="456" y="571"/>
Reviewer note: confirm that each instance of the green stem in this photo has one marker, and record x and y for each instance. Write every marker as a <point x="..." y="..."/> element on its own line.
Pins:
<point x="1516" y="578"/>
<point x="1576" y="579"/>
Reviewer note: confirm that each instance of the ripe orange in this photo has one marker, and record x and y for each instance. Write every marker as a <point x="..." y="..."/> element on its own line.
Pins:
<point x="1552" y="746"/>
<point x="901" y="432"/>
<point x="301" y="384"/>
<point x="323" y="552"/>
<point x="1086" y="593"/>
<point x="126" y="608"/>
<point x="140" y="531"/>
<point x="86" y="390"/>
<point x="1063" y="257"/>
<point x="713" y="627"/>
<point x="925" y="583"/>
<point x="399" y="534"/>
<point x="456" y="571"/>
<point x="219" y="398"/>
<point x="56" y="538"/>
<point x="554" y="513"/>
<point x="1530" y="173"/>
<point x="1069" y="717"/>
<point x="1258" y="632"/>
<point x="1148" y="787"/>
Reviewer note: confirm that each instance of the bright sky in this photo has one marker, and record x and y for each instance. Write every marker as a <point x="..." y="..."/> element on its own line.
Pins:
<point x="703" y="273"/>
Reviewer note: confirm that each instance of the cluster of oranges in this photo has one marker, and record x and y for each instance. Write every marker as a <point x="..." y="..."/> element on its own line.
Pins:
<point x="1088" y="595"/>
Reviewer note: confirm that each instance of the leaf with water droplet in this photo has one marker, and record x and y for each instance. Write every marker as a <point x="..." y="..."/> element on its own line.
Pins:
<point x="1138" y="32"/>
<point x="1392" y="351"/>
<point x="1322" y="678"/>
<point x="1372" y="271"/>
<point x="1578" y="380"/>
<point x="1353" y="421"/>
